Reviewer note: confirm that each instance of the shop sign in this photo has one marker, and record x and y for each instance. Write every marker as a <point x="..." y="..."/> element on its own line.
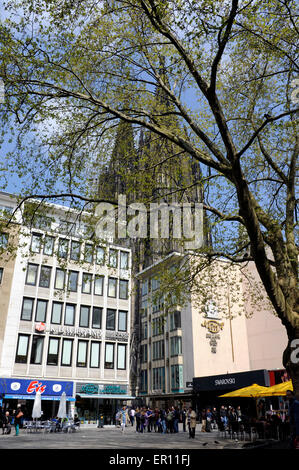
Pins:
<point x="113" y="390"/>
<point x="80" y="332"/>
<point x="28" y="387"/>
<point x="89" y="389"/>
<point x="231" y="381"/>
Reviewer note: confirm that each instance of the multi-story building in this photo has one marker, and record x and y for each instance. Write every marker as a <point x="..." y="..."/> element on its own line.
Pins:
<point x="64" y="315"/>
<point x="213" y="343"/>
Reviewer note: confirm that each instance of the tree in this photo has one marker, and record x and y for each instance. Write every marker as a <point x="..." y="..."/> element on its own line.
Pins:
<point x="73" y="70"/>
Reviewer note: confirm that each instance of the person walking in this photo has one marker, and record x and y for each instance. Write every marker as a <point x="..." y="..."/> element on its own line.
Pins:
<point x="18" y="419"/>
<point x="176" y="417"/>
<point x="132" y="416"/>
<point x="124" y="418"/>
<point x="137" y="416"/>
<point x="163" y="421"/>
<point x="184" y="415"/>
<point x="203" y="420"/>
<point x="191" y="422"/>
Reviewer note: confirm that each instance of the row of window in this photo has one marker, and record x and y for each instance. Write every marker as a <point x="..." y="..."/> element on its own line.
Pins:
<point x="158" y="349"/>
<point x="158" y="325"/>
<point x="65" y="313"/>
<point x="77" y="251"/>
<point x="158" y="378"/>
<point x="63" y="350"/>
<point x="41" y="276"/>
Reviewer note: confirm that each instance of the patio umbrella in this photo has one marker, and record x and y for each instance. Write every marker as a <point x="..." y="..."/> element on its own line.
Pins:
<point x="278" y="390"/>
<point x="37" y="406"/>
<point x="253" y="390"/>
<point x="62" y="406"/>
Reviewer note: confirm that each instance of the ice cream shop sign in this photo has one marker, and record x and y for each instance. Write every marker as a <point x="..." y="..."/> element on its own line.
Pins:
<point x="27" y="388"/>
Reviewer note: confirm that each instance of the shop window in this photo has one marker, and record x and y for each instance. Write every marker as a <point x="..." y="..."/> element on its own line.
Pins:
<point x="121" y="356"/>
<point x="49" y="245"/>
<point x="31" y="275"/>
<point x="97" y="317"/>
<point x="82" y="353"/>
<point x="45" y="276"/>
<point x="112" y="287"/>
<point x="67" y="350"/>
<point x="99" y="285"/>
<point x="86" y="283"/>
<point x="60" y="279"/>
<point x="95" y="349"/>
<point x="110" y="319"/>
<point x="122" y="320"/>
<point x="123" y="289"/>
<point x="109" y="356"/>
<point x="22" y="349"/>
<point x="53" y="351"/>
<point x="69" y="317"/>
<point x="56" y="313"/>
<point x="177" y="377"/>
<point x="84" y="316"/>
<point x="27" y="309"/>
<point x="37" y="350"/>
<point x="41" y="310"/>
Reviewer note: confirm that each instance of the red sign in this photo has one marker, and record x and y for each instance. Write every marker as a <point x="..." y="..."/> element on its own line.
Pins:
<point x="36" y="386"/>
<point x="40" y="327"/>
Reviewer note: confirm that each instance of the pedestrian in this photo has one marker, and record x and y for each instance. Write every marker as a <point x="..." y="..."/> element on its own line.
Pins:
<point x="163" y="421"/>
<point x="176" y="416"/>
<point x="203" y="420"/>
<point x="293" y="416"/>
<point x="137" y="416"/>
<point x="18" y="419"/>
<point x="124" y="418"/>
<point x="169" y="421"/>
<point x="209" y="417"/>
<point x="6" y="426"/>
<point x="183" y="417"/>
<point x="143" y="421"/>
<point x="191" y="422"/>
<point x="132" y="416"/>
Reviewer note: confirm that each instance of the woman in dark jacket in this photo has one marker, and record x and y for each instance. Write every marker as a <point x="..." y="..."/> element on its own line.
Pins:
<point x="17" y="420"/>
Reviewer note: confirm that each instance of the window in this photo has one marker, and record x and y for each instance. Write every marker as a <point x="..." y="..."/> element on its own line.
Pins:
<point x="143" y="381"/>
<point x="56" y="313"/>
<point x="123" y="289"/>
<point x="1" y="275"/>
<point x="143" y="311"/>
<point x="112" y="285"/>
<point x="75" y="251"/>
<point x="158" y="326"/>
<point x="175" y="345"/>
<point x="122" y="320"/>
<point x="37" y="350"/>
<point x="143" y="353"/>
<point x="109" y="356"/>
<point x="22" y="349"/>
<point x="49" y="245"/>
<point x="69" y="317"/>
<point x="82" y="354"/>
<point x="110" y="319"/>
<point x="86" y="283"/>
<point x="97" y="317"/>
<point x="177" y="377"/>
<point x="121" y="356"/>
<point x="124" y="260"/>
<point x="100" y="255"/>
<point x="63" y="245"/>
<point x="144" y="330"/>
<point x="155" y="283"/>
<point x="175" y="320"/>
<point x="99" y="285"/>
<point x="113" y="258"/>
<point x="144" y="288"/>
<point x="59" y="279"/>
<point x="53" y="351"/>
<point x="45" y="276"/>
<point x="158" y="350"/>
<point x="84" y="316"/>
<point x="88" y="253"/>
<point x="36" y="241"/>
<point x="67" y="349"/>
<point x="73" y="281"/>
<point x="3" y="241"/>
<point x="27" y="309"/>
<point x="31" y="274"/>
<point x="41" y="310"/>
<point x="159" y="378"/>
<point x="95" y="348"/>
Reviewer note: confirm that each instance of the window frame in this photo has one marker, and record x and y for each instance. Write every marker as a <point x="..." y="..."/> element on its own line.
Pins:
<point x="23" y="335"/>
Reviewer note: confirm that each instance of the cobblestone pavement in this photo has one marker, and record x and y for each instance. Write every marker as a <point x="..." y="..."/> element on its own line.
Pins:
<point x="113" y="438"/>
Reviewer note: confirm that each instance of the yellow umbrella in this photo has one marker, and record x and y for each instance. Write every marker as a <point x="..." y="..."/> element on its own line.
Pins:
<point x="278" y="390"/>
<point x="253" y="390"/>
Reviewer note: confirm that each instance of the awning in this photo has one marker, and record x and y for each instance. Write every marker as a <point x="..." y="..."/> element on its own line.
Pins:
<point x="115" y="397"/>
<point x="254" y="390"/>
<point x="278" y="390"/>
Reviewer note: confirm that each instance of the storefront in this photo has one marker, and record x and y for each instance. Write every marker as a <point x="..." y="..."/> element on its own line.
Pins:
<point x="94" y="400"/>
<point x="14" y="392"/>
<point x="206" y="390"/>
